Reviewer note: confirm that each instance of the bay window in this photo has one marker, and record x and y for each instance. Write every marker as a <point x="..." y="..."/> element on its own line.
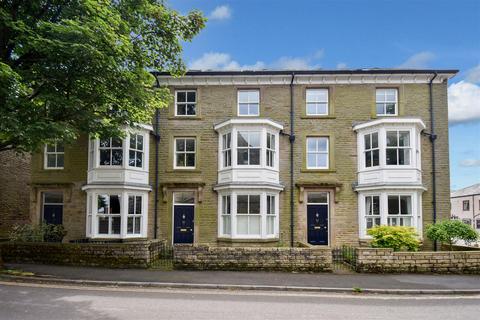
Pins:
<point x="120" y="213"/>
<point x="248" y="148"/>
<point x="248" y="215"/>
<point x="390" y="208"/>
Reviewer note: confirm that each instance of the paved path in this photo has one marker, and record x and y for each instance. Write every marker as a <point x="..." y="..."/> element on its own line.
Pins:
<point x="364" y="281"/>
<point x="39" y="302"/>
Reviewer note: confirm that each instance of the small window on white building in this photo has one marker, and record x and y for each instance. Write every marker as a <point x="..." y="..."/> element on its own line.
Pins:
<point x="477" y="224"/>
<point x="317" y="153"/>
<point x="399" y="210"/>
<point x="317" y="102"/>
<point x="372" y="151"/>
<point x="186" y="103"/>
<point x="136" y="151"/>
<point x="248" y="103"/>
<point x="398" y="148"/>
<point x="111" y="152"/>
<point x="248" y="215"/>
<point x="185" y="153"/>
<point x="109" y="214"/>
<point x="270" y="152"/>
<point x="372" y="211"/>
<point x="248" y="148"/>
<point x="226" y="215"/>
<point x="227" y="149"/>
<point x="54" y="156"/>
<point x="466" y="205"/>
<point x="387" y="102"/>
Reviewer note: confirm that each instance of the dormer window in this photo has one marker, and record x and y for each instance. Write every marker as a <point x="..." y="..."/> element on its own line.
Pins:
<point x="248" y="103"/>
<point x="387" y="102"/>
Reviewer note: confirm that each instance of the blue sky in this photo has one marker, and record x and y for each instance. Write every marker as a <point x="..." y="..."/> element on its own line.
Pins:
<point x="328" y="34"/>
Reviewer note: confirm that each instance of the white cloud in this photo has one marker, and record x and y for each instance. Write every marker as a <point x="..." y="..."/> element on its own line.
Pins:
<point x="222" y="61"/>
<point x="319" y="54"/>
<point x="291" y="63"/>
<point x="473" y="75"/>
<point x="463" y="102"/>
<point x="417" y="61"/>
<point x="221" y="13"/>
<point x="470" y="163"/>
<point x="342" y="65"/>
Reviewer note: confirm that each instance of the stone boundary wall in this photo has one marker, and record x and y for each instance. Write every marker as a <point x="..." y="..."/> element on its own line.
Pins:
<point x="112" y="255"/>
<point x="375" y="260"/>
<point x="252" y="258"/>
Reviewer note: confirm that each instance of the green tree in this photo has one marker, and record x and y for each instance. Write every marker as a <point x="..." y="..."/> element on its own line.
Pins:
<point x="83" y="66"/>
<point x="397" y="238"/>
<point x="450" y="231"/>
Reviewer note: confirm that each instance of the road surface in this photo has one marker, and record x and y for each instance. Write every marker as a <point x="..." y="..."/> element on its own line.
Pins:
<point x="51" y="302"/>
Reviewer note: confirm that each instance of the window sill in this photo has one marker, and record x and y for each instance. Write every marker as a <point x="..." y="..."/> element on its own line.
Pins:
<point x="249" y="240"/>
<point x="318" y="117"/>
<point x="318" y="170"/>
<point x="185" y="118"/>
<point x="183" y="170"/>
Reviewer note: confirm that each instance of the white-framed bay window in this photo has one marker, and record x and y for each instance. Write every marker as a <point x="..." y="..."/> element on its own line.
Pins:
<point x="395" y="207"/>
<point x="248" y="214"/>
<point x="116" y="213"/>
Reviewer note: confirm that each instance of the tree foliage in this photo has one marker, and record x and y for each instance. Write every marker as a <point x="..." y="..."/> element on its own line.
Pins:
<point x="397" y="238"/>
<point x="74" y="66"/>
<point x="449" y="231"/>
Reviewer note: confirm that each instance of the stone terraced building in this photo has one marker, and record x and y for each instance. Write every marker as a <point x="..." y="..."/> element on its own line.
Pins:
<point x="261" y="158"/>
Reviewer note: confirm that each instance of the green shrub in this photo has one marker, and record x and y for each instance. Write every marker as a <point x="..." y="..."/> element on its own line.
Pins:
<point x="37" y="233"/>
<point x="396" y="238"/>
<point x="449" y="231"/>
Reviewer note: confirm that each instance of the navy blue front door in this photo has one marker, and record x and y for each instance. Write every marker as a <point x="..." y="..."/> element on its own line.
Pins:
<point x="183" y="224"/>
<point x="317" y="224"/>
<point x="52" y="213"/>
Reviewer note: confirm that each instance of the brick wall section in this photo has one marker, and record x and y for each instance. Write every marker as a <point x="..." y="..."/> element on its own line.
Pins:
<point x="112" y="255"/>
<point x="370" y="260"/>
<point x="14" y="195"/>
<point x="248" y="258"/>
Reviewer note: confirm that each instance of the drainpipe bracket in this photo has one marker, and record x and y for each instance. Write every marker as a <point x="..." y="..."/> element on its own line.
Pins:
<point x="291" y="138"/>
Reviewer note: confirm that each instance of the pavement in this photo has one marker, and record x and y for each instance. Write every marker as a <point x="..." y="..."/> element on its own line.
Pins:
<point x="276" y="281"/>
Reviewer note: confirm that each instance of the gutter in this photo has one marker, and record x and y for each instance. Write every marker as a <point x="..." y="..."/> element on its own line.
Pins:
<point x="433" y="137"/>
<point x="292" y="141"/>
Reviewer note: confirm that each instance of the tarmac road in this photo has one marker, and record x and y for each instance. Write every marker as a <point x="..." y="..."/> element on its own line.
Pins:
<point x="51" y="302"/>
